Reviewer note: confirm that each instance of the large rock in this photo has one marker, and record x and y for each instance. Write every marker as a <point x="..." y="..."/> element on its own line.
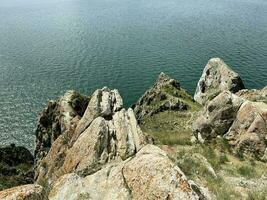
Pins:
<point x="104" y="103"/>
<point x="25" y="192"/>
<point x="248" y="134"/>
<point x="254" y="95"/>
<point x="217" y="116"/>
<point x="150" y="174"/>
<point x="16" y="166"/>
<point x="55" y="119"/>
<point x="216" y="77"/>
<point x="110" y="133"/>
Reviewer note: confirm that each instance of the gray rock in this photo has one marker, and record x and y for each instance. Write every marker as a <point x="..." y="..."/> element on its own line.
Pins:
<point x="217" y="116"/>
<point x="216" y="77"/>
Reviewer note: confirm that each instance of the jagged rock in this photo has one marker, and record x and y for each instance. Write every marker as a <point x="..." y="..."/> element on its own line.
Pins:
<point x="216" y="77"/>
<point x="254" y="95"/>
<point x="217" y="116"/>
<point x="25" y="192"/>
<point x="16" y="165"/>
<point x="111" y="133"/>
<point x="166" y="94"/>
<point x="56" y="118"/>
<point x="104" y="103"/>
<point x="248" y="134"/>
<point x="150" y="174"/>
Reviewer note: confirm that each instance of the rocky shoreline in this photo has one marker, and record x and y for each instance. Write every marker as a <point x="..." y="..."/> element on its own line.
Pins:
<point x="169" y="145"/>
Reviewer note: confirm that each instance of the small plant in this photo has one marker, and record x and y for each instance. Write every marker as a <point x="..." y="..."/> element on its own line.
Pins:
<point x="247" y="171"/>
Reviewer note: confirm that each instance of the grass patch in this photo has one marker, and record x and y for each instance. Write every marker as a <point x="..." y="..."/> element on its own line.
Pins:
<point x="247" y="171"/>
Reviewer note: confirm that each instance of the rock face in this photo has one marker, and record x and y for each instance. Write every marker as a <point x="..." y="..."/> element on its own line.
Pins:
<point x="16" y="166"/>
<point x="166" y="94"/>
<point x="56" y="118"/>
<point x="150" y="174"/>
<point x="216" y="77"/>
<point x="217" y="116"/>
<point x="106" y="132"/>
<point x="25" y="192"/>
<point x="249" y="131"/>
<point x="242" y="122"/>
<point x="254" y="95"/>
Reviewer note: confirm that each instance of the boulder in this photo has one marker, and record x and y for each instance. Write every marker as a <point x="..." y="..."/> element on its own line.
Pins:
<point x="150" y="174"/>
<point x="25" y="192"/>
<point x="254" y="95"/>
<point x="216" y="77"/>
<point x="248" y="133"/>
<point x="217" y="116"/>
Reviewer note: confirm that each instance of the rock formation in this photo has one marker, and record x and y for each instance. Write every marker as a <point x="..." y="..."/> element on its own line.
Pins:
<point x="25" y="192"/>
<point x="106" y="132"/>
<point x="56" y="118"/>
<point x="242" y="122"/>
<point x="165" y="95"/>
<point x="16" y="166"/>
<point x="217" y="116"/>
<point x="216" y="77"/>
<point x="150" y="174"/>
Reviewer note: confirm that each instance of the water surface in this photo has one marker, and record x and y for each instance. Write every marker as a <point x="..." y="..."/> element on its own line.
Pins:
<point x="48" y="47"/>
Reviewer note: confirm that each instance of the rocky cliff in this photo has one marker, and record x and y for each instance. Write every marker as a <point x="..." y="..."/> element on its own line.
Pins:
<point x="169" y="145"/>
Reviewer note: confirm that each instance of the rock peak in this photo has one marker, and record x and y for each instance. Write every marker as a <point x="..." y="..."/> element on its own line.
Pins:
<point x="216" y="78"/>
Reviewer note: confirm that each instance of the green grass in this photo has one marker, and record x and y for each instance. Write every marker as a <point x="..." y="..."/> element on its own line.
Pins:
<point x="247" y="171"/>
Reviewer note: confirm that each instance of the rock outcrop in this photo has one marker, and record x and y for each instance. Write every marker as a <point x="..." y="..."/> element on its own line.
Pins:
<point x="16" y="166"/>
<point x="106" y="132"/>
<point x="216" y="77"/>
<point x="56" y="118"/>
<point x="248" y="133"/>
<point x="25" y="192"/>
<point x="254" y="95"/>
<point x="241" y="122"/>
<point x="165" y="95"/>
<point x="217" y="116"/>
<point x="150" y="174"/>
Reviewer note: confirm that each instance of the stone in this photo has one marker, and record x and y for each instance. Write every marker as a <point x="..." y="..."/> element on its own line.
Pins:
<point x="16" y="166"/>
<point x="150" y="174"/>
<point x="216" y="78"/>
<point x="24" y="192"/>
<point x="111" y="133"/>
<point x="254" y="95"/>
<point x="104" y="103"/>
<point x="55" y="119"/>
<point x="248" y="132"/>
<point x="217" y="116"/>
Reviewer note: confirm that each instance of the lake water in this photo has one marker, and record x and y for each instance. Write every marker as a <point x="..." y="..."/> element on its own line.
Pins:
<point x="50" y="46"/>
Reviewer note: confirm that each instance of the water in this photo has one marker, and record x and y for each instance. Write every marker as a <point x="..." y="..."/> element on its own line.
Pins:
<point x="48" y="47"/>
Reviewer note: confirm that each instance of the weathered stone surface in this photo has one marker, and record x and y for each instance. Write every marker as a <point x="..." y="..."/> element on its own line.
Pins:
<point x="25" y="192"/>
<point x="104" y="103"/>
<point x="16" y="166"/>
<point x="111" y="133"/>
<point x="217" y="116"/>
<point x="248" y="134"/>
<point x="150" y="174"/>
<point x="216" y="77"/>
<point x="254" y="95"/>
<point x="56" y="118"/>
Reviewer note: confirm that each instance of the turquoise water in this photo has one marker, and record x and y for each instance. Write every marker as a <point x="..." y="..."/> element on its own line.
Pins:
<point x="50" y="46"/>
